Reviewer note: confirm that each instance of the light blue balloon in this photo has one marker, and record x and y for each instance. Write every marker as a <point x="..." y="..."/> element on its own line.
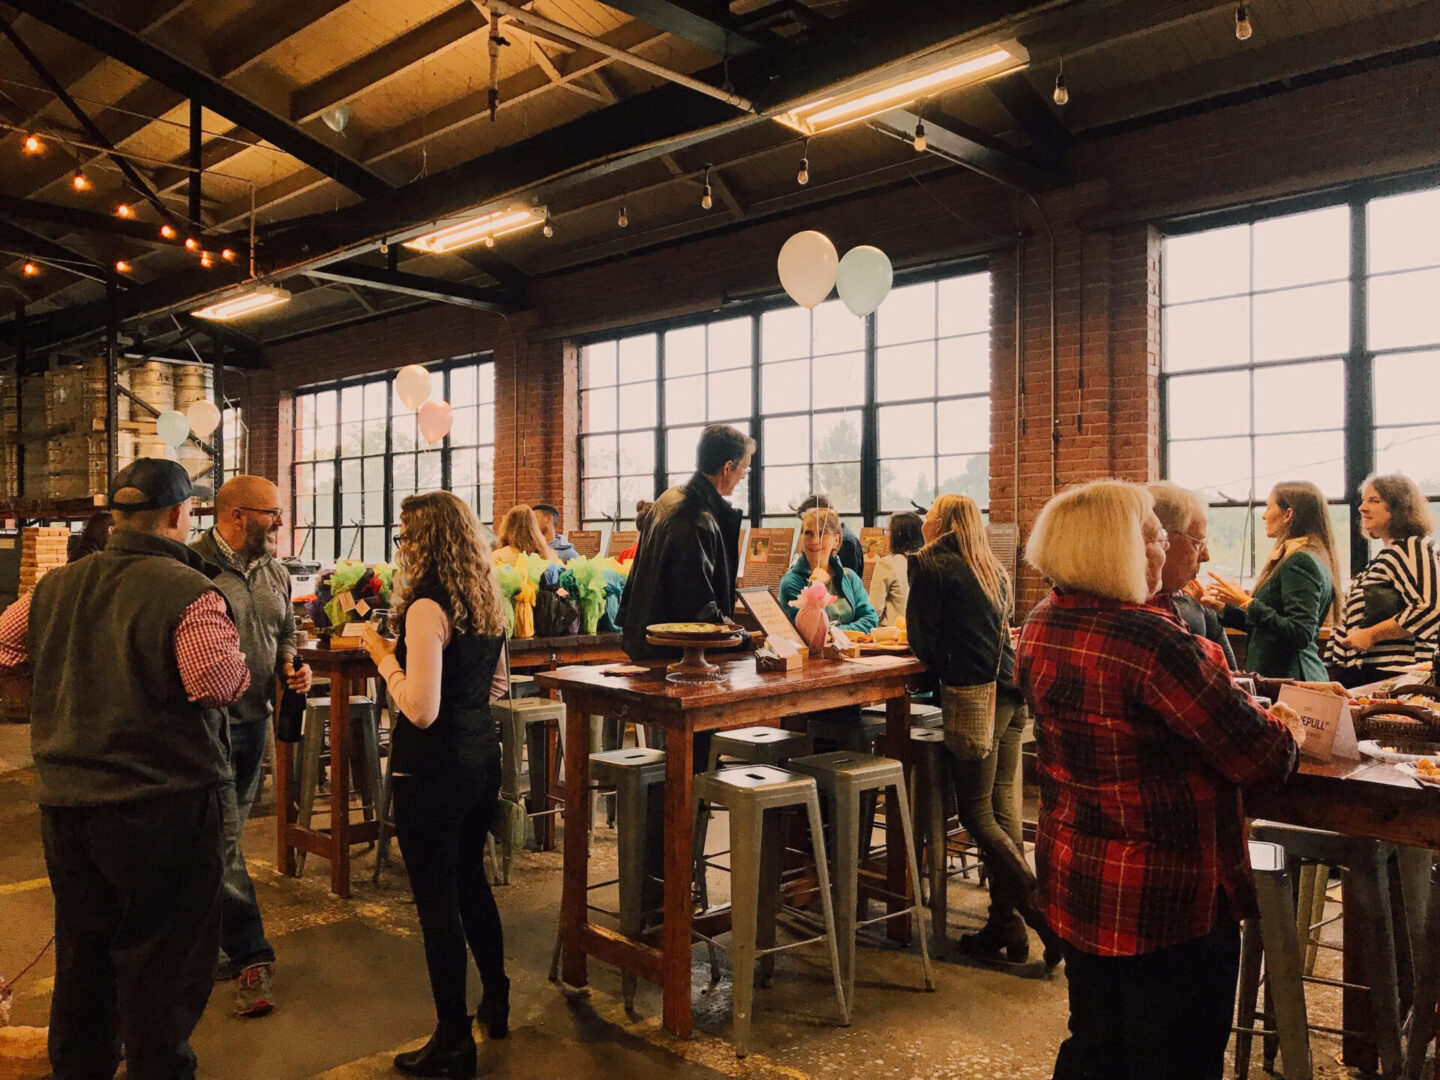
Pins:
<point x="864" y="279"/>
<point x="172" y="427"/>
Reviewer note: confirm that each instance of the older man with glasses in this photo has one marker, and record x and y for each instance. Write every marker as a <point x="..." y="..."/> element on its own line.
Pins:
<point x="1182" y="515"/>
<point x="243" y="544"/>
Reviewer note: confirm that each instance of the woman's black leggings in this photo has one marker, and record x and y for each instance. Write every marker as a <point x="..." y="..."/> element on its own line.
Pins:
<point x="441" y="823"/>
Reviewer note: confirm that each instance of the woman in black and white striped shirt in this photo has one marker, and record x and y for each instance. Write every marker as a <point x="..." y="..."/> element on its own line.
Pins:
<point x="1392" y="612"/>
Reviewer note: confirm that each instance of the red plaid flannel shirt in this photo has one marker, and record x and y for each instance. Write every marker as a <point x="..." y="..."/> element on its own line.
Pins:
<point x="1143" y="743"/>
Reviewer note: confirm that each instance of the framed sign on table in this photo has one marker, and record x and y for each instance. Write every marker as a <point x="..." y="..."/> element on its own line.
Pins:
<point x="767" y="557"/>
<point x="586" y="542"/>
<point x="760" y="602"/>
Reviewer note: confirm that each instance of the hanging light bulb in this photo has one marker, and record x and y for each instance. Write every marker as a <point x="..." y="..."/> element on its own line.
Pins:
<point x="803" y="176"/>
<point x="1061" y="95"/>
<point x="191" y="244"/>
<point x="205" y="260"/>
<point x="227" y="254"/>
<point x="80" y="182"/>
<point x="624" y="219"/>
<point x="921" y="143"/>
<point x="548" y="229"/>
<point x="33" y="145"/>
<point x="384" y="247"/>
<point x="30" y="270"/>
<point x="121" y="266"/>
<point x="489" y="241"/>
<point x="167" y="232"/>
<point x="707" y="200"/>
<point x="1243" y="29"/>
<point x="124" y="210"/>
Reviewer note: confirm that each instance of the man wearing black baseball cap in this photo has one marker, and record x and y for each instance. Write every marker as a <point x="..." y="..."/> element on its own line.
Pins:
<point x="133" y="655"/>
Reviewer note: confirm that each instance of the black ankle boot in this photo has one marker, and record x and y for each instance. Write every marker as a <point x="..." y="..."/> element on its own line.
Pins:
<point x="494" y="1011"/>
<point x="450" y="1056"/>
<point x="993" y="938"/>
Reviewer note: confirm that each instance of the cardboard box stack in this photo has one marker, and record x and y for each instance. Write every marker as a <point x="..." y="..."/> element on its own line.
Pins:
<point x="42" y="549"/>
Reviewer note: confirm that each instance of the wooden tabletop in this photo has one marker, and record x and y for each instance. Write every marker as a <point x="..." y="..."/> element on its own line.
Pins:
<point x="653" y="694"/>
<point x="317" y="656"/>
<point x="1358" y="798"/>
<point x="567" y="641"/>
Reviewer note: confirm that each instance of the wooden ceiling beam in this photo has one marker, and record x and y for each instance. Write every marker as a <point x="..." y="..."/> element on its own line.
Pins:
<point x="963" y="145"/>
<point x="101" y="31"/>
<point x="85" y="221"/>
<point x="711" y="34"/>
<point x="1049" y="137"/>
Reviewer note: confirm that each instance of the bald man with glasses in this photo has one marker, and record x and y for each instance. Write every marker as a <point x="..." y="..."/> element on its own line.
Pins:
<point x="243" y="543"/>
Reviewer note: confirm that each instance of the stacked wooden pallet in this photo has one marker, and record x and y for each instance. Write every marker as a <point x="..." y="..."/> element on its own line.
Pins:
<point x="42" y="549"/>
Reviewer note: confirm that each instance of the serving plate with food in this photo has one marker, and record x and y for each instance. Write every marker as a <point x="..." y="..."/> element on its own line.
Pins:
<point x="883" y="639"/>
<point x="1426" y="770"/>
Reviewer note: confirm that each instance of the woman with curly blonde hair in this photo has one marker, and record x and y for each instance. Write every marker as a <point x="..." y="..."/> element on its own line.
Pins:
<point x="443" y="672"/>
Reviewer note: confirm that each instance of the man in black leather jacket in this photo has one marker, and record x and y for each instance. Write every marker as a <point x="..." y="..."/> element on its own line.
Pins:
<point x="686" y="566"/>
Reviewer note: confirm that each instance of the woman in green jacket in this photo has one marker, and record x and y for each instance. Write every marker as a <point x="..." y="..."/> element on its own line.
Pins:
<point x="817" y="561"/>
<point x="1295" y="592"/>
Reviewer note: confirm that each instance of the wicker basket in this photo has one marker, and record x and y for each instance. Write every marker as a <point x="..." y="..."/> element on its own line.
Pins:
<point x="1394" y="723"/>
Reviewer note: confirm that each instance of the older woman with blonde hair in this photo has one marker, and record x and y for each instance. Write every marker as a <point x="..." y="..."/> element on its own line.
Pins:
<point x="958" y="616"/>
<point x="443" y="672"/>
<point x="1143" y="743"/>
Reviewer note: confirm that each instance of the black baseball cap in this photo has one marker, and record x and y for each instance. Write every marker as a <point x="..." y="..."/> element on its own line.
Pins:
<point x="149" y="484"/>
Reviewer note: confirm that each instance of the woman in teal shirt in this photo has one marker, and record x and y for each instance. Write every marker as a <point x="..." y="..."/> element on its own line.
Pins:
<point x="819" y="541"/>
<point x="1295" y="592"/>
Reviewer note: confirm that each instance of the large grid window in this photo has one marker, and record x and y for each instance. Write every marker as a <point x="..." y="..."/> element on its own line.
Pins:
<point x="875" y="412"/>
<point x="1301" y="347"/>
<point x="358" y="453"/>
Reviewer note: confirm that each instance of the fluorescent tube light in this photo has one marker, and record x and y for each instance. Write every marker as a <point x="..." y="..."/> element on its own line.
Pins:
<point x="246" y="303"/>
<point x="850" y="107"/>
<point x="477" y="230"/>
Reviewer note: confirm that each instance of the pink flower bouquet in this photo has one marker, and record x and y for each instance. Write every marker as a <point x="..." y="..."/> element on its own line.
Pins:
<point x="810" y="618"/>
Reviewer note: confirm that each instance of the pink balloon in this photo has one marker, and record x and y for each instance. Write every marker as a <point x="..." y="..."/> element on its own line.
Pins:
<point x="435" y="420"/>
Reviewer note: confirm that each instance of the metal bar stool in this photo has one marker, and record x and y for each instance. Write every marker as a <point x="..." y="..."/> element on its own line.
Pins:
<point x="365" y="766"/>
<point x="927" y="794"/>
<point x="844" y="777"/>
<point x="747" y="793"/>
<point x="525" y="721"/>
<point x="1369" y="885"/>
<point x="1275" y="937"/>
<point x="750" y="746"/>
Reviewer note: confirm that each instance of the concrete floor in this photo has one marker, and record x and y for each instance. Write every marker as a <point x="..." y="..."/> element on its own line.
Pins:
<point x="352" y="992"/>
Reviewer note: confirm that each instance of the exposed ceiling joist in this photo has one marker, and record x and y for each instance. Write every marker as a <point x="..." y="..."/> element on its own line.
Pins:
<point x="689" y="25"/>
<point x="104" y="33"/>
<point x="23" y="242"/>
<point x="963" y="145"/>
<point x="1049" y="137"/>
<point x="425" y="288"/>
<point x="85" y="221"/>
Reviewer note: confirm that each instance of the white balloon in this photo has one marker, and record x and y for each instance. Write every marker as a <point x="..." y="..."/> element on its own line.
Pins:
<point x="172" y="427"/>
<point x="435" y="420"/>
<point x="412" y="383"/>
<point x="204" y="417"/>
<point x="808" y="264"/>
<point x="864" y="279"/>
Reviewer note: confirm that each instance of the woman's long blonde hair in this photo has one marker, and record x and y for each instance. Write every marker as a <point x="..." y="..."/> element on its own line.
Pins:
<point x="958" y="516"/>
<point x="520" y="529"/>
<point x="446" y="560"/>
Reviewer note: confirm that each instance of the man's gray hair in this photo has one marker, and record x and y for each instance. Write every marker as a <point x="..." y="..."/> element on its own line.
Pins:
<point x="1175" y="506"/>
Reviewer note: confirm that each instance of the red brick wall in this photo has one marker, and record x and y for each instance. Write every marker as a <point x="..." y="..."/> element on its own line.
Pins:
<point x="1105" y="285"/>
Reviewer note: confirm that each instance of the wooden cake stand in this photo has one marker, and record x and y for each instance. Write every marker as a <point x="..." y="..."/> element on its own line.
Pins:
<point x="693" y="669"/>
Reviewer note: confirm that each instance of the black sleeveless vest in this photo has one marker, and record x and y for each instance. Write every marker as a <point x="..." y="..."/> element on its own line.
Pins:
<point x="463" y="734"/>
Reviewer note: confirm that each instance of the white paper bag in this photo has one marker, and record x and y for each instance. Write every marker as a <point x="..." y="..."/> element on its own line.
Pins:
<point x="1329" y="730"/>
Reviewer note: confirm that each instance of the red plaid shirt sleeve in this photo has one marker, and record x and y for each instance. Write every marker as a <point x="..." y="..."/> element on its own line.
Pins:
<point x="1143" y="744"/>
<point x="207" y="649"/>
<point x="14" y="622"/>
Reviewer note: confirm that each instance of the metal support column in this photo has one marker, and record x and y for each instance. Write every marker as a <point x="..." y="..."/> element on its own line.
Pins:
<point x="1359" y="389"/>
<point x="217" y="379"/>
<point x="195" y="164"/>
<point x="112" y="378"/>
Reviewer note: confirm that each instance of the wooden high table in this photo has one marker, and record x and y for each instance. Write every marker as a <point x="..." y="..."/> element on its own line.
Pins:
<point x="1370" y="799"/>
<point x="528" y="654"/>
<point x="745" y="698"/>
<point x="344" y="668"/>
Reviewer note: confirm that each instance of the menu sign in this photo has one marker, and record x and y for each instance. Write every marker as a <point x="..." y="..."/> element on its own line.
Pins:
<point x="767" y="556"/>
<point x="586" y="542"/>
<point x="1329" y="730"/>
<point x="620" y="539"/>
<point x="766" y="610"/>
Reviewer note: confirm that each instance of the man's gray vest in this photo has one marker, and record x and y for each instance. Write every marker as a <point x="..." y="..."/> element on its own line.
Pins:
<point x="110" y="720"/>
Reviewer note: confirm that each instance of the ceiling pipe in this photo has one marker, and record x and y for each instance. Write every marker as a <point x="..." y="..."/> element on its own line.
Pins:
<point x="529" y="18"/>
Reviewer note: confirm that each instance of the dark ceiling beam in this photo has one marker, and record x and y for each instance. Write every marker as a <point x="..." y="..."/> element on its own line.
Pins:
<point x="102" y="32"/>
<point x="424" y="288"/>
<point x="963" y="145"/>
<point x="391" y="58"/>
<point x="1049" y="137"/>
<point x="1391" y="36"/>
<point x="89" y="221"/>
<point x="95" y="135"/>
<point x="490" y="262"/>
<point x="711" y="34"/>
<point x="25" y="243"/>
